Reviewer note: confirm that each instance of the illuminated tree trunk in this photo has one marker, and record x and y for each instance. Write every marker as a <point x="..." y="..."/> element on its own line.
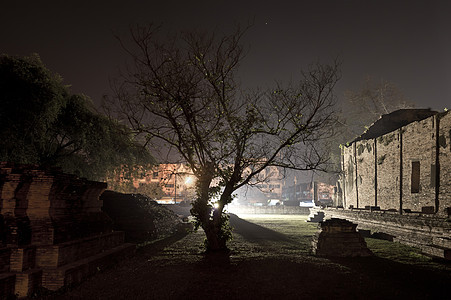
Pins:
<point x="210" y="218"/>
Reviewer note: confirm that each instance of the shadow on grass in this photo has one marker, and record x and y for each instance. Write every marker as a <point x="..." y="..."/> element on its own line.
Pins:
<point x="255" y="233"/>
<point x="154" y="247"/>
<point x="417" y="282"/>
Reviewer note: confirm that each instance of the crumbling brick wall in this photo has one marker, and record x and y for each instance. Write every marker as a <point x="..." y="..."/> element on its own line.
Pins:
<point x="52" y="229"/>
<point x="388" y="170"/>
<point x="444" y="146"/>
<point x="349" y="175"/>
<point x="406" y="169"/>
<point x="365" y="173"/>
<point x="418" y="140"/>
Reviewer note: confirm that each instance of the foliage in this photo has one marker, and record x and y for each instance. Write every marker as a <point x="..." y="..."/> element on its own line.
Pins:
<point x="42" y="123"/>
<point x="183" y="91"/>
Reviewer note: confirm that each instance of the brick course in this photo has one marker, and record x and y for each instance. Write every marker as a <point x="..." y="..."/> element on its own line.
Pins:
<point x="52" y="229"/>
<point x="379" y="172"/>
<point x="398" y="174"/>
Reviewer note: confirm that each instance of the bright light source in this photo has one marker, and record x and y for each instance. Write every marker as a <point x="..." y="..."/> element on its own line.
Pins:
<point x="188" y="180"/>
<point x="216" y="205"/>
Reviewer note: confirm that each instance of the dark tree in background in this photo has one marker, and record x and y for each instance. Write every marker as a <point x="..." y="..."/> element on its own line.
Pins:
<point x="183" y="91"/>
<point x="366" y="105"/>
<point x="41" y="122"/>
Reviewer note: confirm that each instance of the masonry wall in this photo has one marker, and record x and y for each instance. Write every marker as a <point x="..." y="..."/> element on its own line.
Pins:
<point x="52" y="230"/>
<point x="349" y="171"/>
<point x="365" y="173"/>
<point x="419" y="144"/>
<point x="388" y="170"/>
<point x="408" y="169"/>
<point x="444" y="197"/>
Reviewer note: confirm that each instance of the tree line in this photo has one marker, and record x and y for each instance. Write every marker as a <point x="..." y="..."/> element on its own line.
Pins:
<point x="42" y="122"/>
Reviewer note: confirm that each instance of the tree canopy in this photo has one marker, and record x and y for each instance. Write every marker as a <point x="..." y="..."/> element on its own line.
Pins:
<point x="41" y="122"/>
<point x="184" y="91"/>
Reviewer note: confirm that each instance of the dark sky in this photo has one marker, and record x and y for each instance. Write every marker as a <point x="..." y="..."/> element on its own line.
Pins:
<point x="407" y="43"/>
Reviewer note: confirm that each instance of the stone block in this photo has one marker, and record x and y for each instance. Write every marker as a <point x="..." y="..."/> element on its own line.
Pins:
<point x="5" y="259"/>
<point x="22" y="258"/>
<point x="28" y="282"/>
<point x="339" y="238"/>
<point x="7" y="285"/>
<point x="428" y="209"/>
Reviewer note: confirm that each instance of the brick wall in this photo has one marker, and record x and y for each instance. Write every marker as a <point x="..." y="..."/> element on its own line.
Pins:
<point x="418" y="140"/>
<point x="388" y="170"/>
<point x="52" y="229"/>
<point x="365" y="172"/>
<point x="349" y="172"/>
<point x="401" y="169"/>
<point x="444" y="198"/>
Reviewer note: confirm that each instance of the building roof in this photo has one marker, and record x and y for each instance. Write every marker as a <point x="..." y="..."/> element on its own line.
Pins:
<point x="393" y="121"/>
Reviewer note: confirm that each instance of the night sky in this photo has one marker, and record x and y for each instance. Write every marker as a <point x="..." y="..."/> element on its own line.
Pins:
<point x="407" y="43"/>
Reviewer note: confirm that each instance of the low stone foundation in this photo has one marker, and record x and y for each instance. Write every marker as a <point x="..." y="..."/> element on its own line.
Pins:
<point x="339" y="238"/>
<point x="430" y="233"/>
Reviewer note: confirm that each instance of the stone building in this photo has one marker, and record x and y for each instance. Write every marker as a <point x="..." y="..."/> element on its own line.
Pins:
<point x="396" y="180"/>
<point x="402" y="163"/>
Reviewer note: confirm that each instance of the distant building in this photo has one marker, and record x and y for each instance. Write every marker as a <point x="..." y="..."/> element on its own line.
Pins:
<point x="176" y="181"/>
<point x="302" y="193"/>
<point x="267" y="188"/>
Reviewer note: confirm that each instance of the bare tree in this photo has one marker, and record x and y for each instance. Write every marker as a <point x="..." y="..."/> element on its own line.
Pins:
<point x="366" y="105"/>
<point x="184" y="91"/>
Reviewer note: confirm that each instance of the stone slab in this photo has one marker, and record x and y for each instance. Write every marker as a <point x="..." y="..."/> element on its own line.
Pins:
<point x="28" y="282"/>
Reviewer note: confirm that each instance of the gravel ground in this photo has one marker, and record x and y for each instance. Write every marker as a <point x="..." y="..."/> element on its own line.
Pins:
<point x="270" y="258"/>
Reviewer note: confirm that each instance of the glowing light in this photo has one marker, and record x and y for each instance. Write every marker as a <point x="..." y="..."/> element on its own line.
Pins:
<point x="188" y="180"/>
<point x="216" y="205"/>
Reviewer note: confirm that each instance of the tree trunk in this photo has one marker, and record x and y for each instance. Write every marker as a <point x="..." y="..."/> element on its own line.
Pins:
<point x="210" y="219"/>
<point x="216" y="240"/>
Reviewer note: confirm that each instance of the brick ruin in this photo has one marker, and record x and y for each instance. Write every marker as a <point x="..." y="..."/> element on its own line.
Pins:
<point x="339" y="238"/>
<point x="396" y="178"/>
<point x="53" y="232"/>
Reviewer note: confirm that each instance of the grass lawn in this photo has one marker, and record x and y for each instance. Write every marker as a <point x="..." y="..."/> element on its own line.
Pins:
<point x="270" y="258"/>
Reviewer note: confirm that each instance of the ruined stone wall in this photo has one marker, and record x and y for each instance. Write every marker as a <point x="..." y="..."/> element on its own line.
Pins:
<point x="428" y="232"/>
<point x="388" y="170"/>
<point x="47" y="206"/>
<point x="349" y="172"/>
<point x="419" y="143"/>
<point x="444" y="197"/>
<point x="52" y="229"/>
<point x="365" y="173"/>
<point x="398" y="170"/>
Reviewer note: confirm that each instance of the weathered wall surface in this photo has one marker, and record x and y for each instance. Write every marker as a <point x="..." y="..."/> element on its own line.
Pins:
<point x="419" y="142"/>
<point x="427" y="232"/>
<point x="406" y="169"/>
<point x="444" y="198"/>
<point x="388" y="170"/>
<point x="349" y="171"/>
<point x="52" y="230"/>
<point x="365" y="173"/>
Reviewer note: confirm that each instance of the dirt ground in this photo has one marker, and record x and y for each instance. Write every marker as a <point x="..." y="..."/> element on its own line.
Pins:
<point x="270" y="258"/>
